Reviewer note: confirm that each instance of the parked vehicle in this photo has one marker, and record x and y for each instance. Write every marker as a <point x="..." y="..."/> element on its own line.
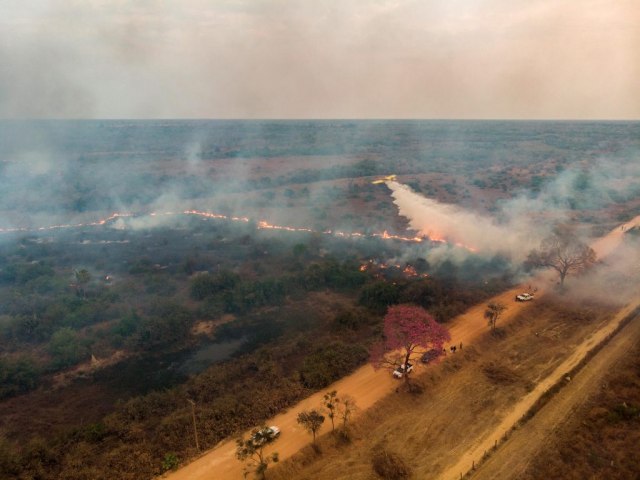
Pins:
<point x="430" y="355"/>
<point x="265" y="435"/>
<point x="524" y="297"/>
<point x="402" y="370"/>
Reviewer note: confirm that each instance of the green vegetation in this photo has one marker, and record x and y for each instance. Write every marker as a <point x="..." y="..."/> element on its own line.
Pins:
<point x="55" y="316"/>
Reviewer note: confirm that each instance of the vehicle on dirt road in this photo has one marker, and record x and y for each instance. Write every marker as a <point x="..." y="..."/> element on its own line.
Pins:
<point x="430" y="355"/>
<point x="402" y="370"/>
<point x="265" y="435"/>
<point x="524" y="297"/>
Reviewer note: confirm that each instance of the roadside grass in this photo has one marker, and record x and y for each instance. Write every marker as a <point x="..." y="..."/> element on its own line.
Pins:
<point x="465" y="394"/>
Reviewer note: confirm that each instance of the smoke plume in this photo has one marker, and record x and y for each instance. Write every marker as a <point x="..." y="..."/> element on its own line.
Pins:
<point x="455" y="225"/>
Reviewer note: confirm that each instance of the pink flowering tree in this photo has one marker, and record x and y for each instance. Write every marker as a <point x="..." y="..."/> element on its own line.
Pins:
<point x="409" y="331"/>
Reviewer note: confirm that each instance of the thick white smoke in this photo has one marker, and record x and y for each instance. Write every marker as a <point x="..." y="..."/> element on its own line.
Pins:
<point x="513" y="238"/>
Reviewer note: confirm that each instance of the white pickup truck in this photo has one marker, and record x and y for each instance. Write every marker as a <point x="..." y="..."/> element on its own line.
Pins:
<point x="266" y="435"/>
<point x="402" y="370"/>
<point x="524" y="297"/>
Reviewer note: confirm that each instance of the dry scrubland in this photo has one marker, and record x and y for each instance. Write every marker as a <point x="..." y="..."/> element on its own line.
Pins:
<point x="302" y="298"/>
<point x="606" y="449"/>
<point x="465" y="396"/>
<point x="600" y="439"/>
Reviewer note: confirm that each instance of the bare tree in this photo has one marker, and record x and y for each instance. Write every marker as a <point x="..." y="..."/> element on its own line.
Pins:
<point x="346" y="409"/>
<point x="311" y="420"/>
<point x="563" y="252"/>
<point x="493" y="312"/>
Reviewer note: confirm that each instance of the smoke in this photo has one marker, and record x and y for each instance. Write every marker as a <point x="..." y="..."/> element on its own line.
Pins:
<point x="471" y="230"/>
<point x="323" y="59"/>
<point x="519" y="224"/>
<point x="615" y="279"/>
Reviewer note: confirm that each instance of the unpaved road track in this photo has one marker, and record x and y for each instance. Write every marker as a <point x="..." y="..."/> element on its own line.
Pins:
<point x="591" y="373"/>
<point x="365" y="385"/>
<point x="512" y="458"/>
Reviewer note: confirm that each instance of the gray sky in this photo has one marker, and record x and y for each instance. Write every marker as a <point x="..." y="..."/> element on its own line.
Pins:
<point x="320" y="58"/>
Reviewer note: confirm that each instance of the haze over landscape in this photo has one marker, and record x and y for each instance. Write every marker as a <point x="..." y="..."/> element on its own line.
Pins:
<point x="357" y="240"/>
<point x="537" y="59"/>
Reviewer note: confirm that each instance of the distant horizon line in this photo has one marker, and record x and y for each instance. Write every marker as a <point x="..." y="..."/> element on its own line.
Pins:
<point x="302" y="119"/>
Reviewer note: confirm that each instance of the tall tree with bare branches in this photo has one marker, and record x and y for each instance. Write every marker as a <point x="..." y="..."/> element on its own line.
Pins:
<point x="563" y="252"/>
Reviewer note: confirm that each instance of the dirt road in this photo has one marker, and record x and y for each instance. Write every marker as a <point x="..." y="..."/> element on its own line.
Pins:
<point x="465" y="462"/>
<point x="512" y="458"/>
<point x="605" y="245"/>
<point x="367" y="386"/>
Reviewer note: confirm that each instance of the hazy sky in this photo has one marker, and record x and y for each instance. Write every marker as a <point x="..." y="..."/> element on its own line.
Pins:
<point x="320" y="58"/>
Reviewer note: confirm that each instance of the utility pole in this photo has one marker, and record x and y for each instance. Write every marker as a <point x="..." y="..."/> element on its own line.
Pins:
<point x="195" y="428"/>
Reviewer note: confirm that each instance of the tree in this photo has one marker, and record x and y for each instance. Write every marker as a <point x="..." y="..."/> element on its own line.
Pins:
<point x="563" y="252"/>
<point x="346" y="408"/>
<point x="311" y="421"/>
<point x="407" y="328"/>
<point x="330" y="401"/>
<point x="493" y="312"/>
<point x="379" y="295"/>
<point x="66" y="348"/>
<point x="252" y="449"/>
<point x="17" y="376"/>
<point x="330" y="362"/>
<point x="82" y="277"/>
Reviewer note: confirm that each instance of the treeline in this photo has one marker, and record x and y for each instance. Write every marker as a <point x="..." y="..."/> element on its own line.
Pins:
<point x="233" y="294"/>
<point x="65" y="320"/>
<point x="290" y="346"/>
<point x="134" y="441"/>
<point x="310" y="353"/>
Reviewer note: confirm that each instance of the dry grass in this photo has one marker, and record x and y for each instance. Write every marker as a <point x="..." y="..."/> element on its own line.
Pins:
<point x="465" y="395"/>
<point x="388" y="464"/>
<point x="500" y="374"/>
<point x="602" y="438"/>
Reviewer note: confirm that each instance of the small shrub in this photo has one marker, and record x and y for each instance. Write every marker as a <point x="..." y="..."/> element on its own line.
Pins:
<point x="389" y="465"/>
<point x="343" y="437"/>
<point x="170" y="462"/>
<point x="500" y="374"/>
<point x="623" y="412"/>
<point x="415" y="387"/>
<point x="499" y="333"/>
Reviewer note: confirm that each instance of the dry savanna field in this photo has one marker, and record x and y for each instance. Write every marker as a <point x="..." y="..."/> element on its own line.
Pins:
<point x="466" y="395"/>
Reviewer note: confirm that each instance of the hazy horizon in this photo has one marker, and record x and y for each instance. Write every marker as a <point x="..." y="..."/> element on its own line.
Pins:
<point x="353" y="59"/>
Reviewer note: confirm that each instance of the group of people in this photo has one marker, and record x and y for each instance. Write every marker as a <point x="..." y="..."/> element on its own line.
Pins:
<point x="452" y="348"/>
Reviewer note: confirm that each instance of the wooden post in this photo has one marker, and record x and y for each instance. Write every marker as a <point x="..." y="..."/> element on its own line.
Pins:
<point x="195" y="428"/>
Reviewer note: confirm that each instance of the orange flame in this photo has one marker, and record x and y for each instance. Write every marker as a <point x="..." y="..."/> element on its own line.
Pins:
<point x="261" y="225"/>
